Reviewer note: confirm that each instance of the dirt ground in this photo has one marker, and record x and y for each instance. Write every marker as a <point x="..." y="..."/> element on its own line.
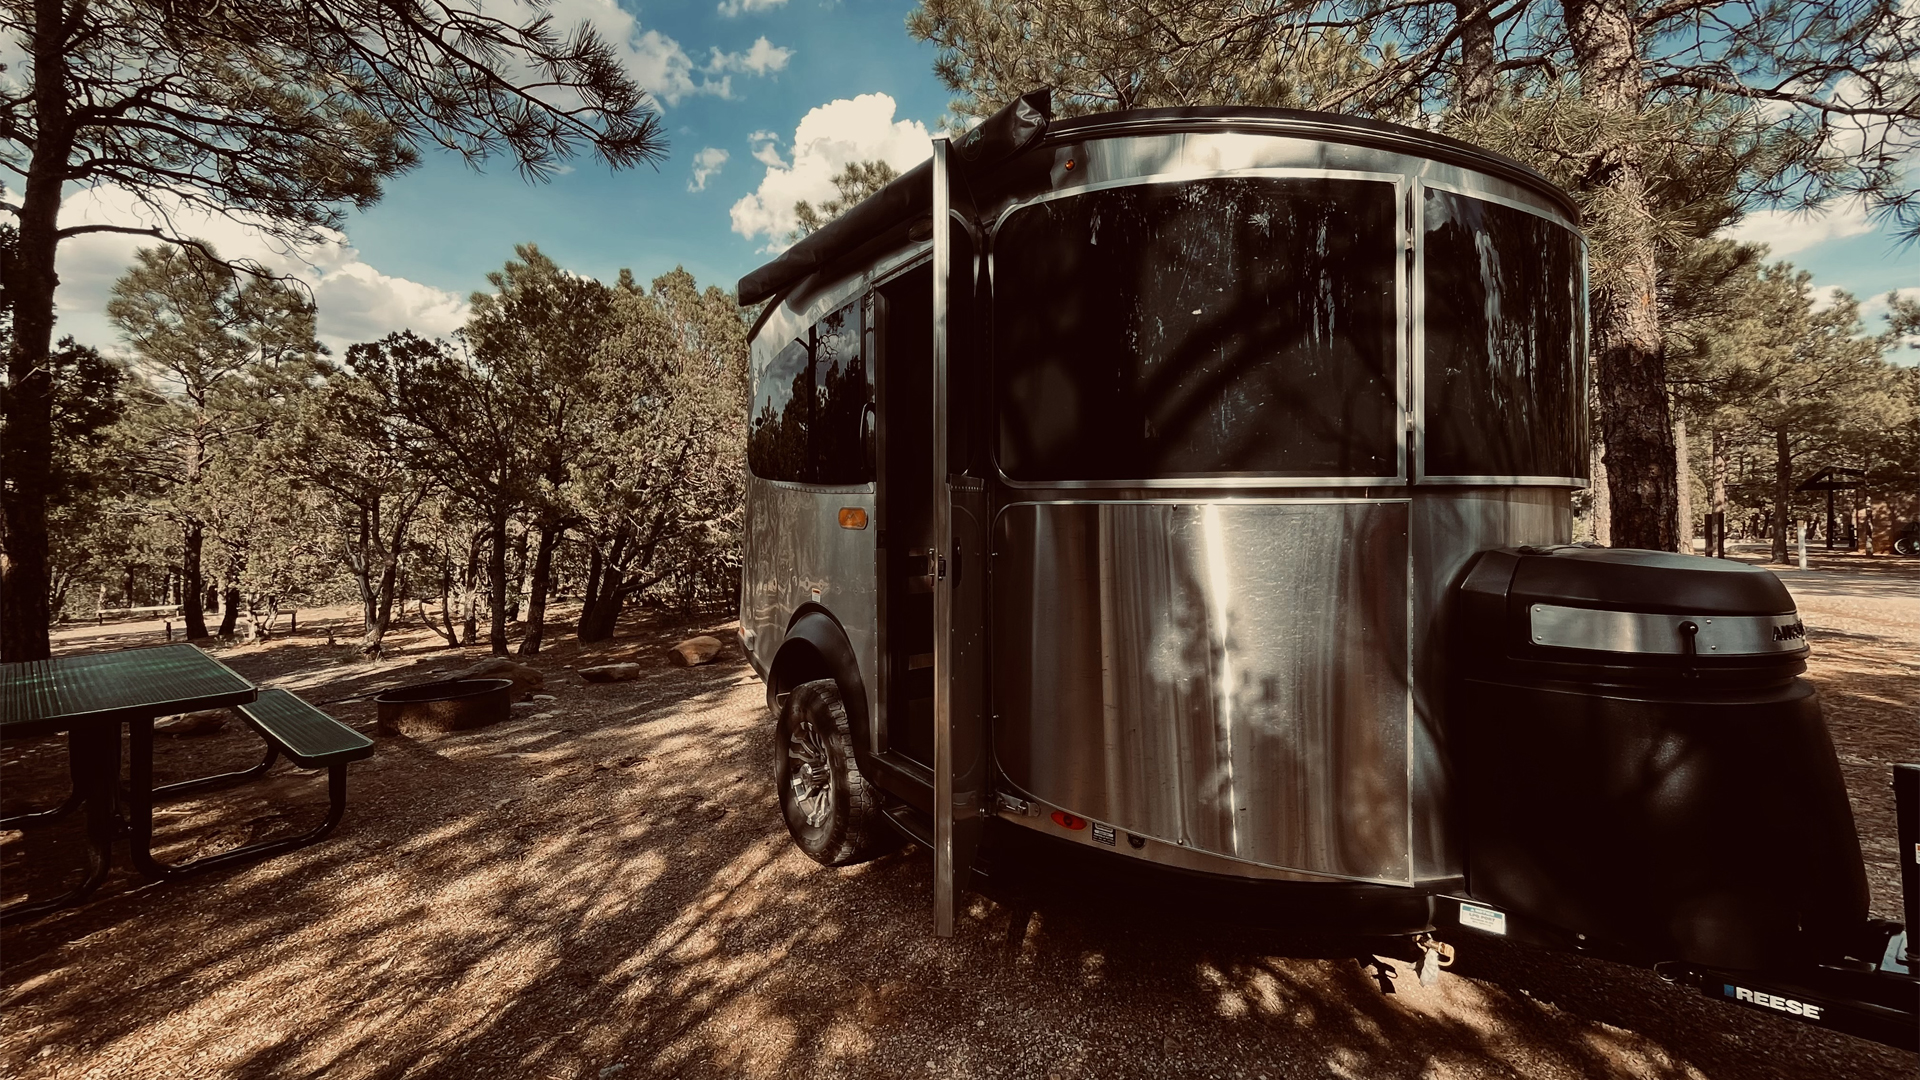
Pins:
<point x="602" y="887"/>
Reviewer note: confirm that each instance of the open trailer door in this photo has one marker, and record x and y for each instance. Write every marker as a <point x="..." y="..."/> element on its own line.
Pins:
<point x="957" y="563"/>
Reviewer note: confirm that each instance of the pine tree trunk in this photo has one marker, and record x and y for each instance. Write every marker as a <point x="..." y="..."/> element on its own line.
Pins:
<point x="1628" y="353"/>
<point x="379" y="614"/>
<point x="1478" y="82"/>
<point x="594" y="562"/>
<point x="598" y="620"/>
<point x="1719" y="467"/>
<point x="230" y="617"/>
<point x="537" y="588"/>
<point x="469" y="627"/>
<point x="1782" y="491"/>
<point x="1601" y="513"/>
<point x="1683" y="470"/>
<point x="28" y="278"/>
<point x="497" y="594"/>
<point x="193" y="590"/>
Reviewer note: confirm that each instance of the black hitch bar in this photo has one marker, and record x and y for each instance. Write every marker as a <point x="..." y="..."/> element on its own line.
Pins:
<point x="1875" y="991"/>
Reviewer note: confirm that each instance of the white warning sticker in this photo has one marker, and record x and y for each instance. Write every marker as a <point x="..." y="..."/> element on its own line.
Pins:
<point x="1103" y="833"/>
<point x="1486" y="919"/>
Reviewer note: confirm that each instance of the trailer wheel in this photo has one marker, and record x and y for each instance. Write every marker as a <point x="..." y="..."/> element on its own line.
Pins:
<point x="831" y="810"/>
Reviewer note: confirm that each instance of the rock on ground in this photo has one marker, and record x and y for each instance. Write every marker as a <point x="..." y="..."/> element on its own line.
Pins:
<point x="204" y="722"/>
<point x="611" y="673"/>
<point x="694" y="651"/>
<point x="525" y="679"/>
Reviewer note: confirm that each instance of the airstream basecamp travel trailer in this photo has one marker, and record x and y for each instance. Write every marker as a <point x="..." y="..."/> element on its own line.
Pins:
<point x="1191" y="491"/>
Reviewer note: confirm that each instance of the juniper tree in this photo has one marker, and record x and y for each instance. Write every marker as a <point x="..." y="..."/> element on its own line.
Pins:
<point x="345" y="444"/>
<point x="536" y="336"/>
<point x="660" y="489"/>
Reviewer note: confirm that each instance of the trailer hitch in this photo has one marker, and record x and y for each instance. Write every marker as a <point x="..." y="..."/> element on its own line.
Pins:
<point x="1435" y="955"/>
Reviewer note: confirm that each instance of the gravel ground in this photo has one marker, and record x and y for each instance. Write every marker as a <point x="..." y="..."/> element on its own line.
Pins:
<point x="601" y="887"/>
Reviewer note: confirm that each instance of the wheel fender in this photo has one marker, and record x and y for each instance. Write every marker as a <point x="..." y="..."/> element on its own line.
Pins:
<point x="817" y="648"/>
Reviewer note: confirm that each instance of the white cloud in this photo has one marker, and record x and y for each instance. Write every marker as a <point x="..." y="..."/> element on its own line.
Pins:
<point x="666" y="71"/>
<point x="1825" y="296"/>
<point x="706" y="165"/>
<point x="760" y="58"/>
<point x="1874" y="309"/>
<point x="356" y="301"/>
<point x="766" y="149"/>
<point x="828" y="139"/>
<point x="1786" y="232"/>
<point x="658" y="62"/>
<point x="733" y="9"/>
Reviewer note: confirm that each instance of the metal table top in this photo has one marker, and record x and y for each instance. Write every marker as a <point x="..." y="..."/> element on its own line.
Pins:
<point x="42" y="696"/>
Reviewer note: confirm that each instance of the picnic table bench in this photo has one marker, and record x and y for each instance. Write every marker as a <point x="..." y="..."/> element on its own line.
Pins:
<point x="91" y="696"/>
<point x="308" y="737"/>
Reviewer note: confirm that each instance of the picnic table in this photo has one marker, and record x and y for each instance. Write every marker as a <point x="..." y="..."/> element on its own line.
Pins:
<point x="90" y="697"/>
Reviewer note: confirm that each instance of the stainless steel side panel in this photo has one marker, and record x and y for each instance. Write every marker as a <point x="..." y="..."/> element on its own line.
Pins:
<point x="1227" y="675"/>
<point x="797" y="553"/>
<point x="1450" y="525"/>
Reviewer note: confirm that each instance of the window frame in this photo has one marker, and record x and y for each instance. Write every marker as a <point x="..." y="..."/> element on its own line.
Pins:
<point x="1417" y="417"/>
<point x="1401" y="185"/>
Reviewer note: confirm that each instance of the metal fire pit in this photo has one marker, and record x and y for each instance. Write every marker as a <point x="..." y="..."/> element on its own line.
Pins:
<point x="447" y="705"/>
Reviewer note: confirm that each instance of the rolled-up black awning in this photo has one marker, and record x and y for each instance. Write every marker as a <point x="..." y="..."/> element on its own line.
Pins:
<point x="996" y="139"/>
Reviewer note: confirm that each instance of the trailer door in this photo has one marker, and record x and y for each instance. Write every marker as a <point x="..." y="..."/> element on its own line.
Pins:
<point x="958" y="561"/>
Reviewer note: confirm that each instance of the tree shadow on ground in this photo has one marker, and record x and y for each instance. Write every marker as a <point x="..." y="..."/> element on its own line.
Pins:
<point x="602" y="887"/>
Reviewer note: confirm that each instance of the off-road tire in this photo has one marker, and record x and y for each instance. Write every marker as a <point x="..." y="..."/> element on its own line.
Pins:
<point x="832" y="812"/>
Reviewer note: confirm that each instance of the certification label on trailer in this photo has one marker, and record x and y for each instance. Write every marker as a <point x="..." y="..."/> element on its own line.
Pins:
<point x="1103" y="833"/>
<point x="1475" y="917"/>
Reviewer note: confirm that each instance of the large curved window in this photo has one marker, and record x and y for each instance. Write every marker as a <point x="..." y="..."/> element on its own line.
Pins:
<point x="1505" y="392"/>
<point x="1236" y="326"/>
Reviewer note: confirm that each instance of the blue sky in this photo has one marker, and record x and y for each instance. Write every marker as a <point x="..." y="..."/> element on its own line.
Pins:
<point x="596" y="222"/>
<point x="763" y="100"/>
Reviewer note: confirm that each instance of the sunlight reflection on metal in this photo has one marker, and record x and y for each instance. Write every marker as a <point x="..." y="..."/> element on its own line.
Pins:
<point x="1219" y="590"/>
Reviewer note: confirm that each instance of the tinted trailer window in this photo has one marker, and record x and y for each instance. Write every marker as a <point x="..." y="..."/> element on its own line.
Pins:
<point x="812" y="418"/>
<point x="1505" y="391"/>
<point x="1238" y="326"/>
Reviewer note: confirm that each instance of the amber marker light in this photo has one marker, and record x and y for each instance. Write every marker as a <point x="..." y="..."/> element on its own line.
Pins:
<point x="852" y="517"/>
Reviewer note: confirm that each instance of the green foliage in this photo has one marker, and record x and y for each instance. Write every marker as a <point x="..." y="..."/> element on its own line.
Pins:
<point x="216" y="358"/>
<point x="1782" y="386"/>
<point x="277" y="114"/>
<point x="659" y="496"/>
<point x="1143" y="53"/>
<point x="85" y="534"/>
<point x="1665" y="121"/>
<point x="283" y="110"/>
<point x="856" y="182"/>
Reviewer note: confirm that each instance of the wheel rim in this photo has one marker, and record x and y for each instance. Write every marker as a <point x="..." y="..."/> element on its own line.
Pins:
<point x="810" y="774"/>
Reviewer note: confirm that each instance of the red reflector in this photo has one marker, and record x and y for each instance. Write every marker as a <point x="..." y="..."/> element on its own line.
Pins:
<point x="1068" y="821"/>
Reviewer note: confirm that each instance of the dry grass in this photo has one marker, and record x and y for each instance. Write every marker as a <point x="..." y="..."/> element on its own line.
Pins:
<point x="601" y="887"/>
